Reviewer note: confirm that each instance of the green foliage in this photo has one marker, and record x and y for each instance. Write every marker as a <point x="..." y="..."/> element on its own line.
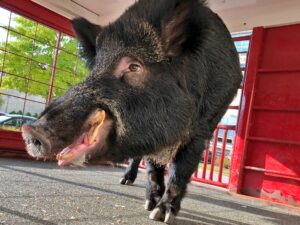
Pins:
<point x="226" y="162"/>
<point x="31" y="59"/>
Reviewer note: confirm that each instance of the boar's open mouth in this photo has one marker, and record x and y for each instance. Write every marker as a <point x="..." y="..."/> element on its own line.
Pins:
<point x="94" y="138"/>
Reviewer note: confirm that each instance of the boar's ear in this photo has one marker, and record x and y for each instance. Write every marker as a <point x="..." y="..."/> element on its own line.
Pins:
<point x="86" y="34"/>
<point x="176" y="27"/>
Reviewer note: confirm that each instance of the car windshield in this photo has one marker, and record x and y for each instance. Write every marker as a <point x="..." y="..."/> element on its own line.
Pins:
<point x="3" y="118"/>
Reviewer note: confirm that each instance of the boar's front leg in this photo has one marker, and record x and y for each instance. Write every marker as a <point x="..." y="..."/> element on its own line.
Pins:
<point x="131" y="171"/>
<point x="155" y="186"/>
<point x="180" y="171"/>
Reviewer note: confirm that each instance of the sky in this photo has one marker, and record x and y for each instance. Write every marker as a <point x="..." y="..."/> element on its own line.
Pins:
<point x="4" y="19"/>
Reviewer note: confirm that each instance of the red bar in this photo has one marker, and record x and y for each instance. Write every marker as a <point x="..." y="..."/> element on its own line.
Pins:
<point x="196" y="173"/>
<point x="284" y="142"/>
<point x="213" y="154"/>
<point x="210" y="182"/>
<point x="205" y="161"/>
<point x="39" y="13"/>
<point x="226" y="127"/>
<point x="243" y="38"/>
<point x="262" y="108"/>
<point x="239" y="151"/>
<point x="234" y="107"/>
<point x="222" y="156"/>
<point x="289" y="70"/>
<point x="273" y="173"/>
<point x="54" y="68"/>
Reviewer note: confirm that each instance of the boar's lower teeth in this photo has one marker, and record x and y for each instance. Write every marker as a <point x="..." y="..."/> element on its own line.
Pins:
<point x="75" y="150"/>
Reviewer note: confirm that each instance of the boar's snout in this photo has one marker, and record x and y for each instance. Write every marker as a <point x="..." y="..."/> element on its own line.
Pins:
<point x="36" y="142"/>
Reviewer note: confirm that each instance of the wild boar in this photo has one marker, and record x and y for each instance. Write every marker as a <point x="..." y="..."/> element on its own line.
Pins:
<point x="162" y="75"/>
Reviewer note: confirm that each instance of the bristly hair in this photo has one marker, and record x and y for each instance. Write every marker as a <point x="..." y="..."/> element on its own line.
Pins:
<point x="86" y="36"/>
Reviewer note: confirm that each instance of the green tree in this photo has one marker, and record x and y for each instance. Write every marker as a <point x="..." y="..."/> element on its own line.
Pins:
<point x="28" y="62"/>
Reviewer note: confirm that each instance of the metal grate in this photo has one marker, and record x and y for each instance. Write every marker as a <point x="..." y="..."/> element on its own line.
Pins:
<point x="37" y="64"/>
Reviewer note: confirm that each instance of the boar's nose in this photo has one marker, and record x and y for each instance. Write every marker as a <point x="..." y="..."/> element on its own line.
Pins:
<point x="37" y="144"/>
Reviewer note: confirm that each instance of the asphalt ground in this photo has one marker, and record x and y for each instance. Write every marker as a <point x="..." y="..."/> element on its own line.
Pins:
<point x="34" y="192"/>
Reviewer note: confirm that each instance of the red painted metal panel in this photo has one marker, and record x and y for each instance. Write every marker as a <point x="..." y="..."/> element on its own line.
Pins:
<point x="273" y="156"/>
<point x="276" y="125"/>
<point x="282" y="93"/>
<point x="11" y="140"/>
<point x="271" y="149"/>
<point x="281" y="50"/>
<point x="276" y="189"/>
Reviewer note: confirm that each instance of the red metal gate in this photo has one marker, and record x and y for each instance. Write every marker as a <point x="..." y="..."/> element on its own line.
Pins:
<point x="46" y="74"/>
<point x="215" y="166"/>
<point x="267" y="151"/>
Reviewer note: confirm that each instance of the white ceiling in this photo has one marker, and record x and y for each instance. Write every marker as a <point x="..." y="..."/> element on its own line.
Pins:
<point x="239" y="15"/>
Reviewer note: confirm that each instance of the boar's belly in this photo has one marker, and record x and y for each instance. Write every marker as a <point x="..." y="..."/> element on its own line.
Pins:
<point x="165" y="155"/>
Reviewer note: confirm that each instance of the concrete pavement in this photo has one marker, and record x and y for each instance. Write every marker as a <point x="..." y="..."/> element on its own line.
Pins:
<point x="33" y="192"/>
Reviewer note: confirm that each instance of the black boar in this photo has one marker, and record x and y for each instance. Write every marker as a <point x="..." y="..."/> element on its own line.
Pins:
<point x="161" y="76"/>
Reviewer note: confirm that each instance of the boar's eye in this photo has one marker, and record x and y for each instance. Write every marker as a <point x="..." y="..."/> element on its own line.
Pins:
<point x="134" y="67"/>
<point x="130" y="71"/>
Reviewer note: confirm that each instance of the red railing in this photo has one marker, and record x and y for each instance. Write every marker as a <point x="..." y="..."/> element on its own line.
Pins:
<point x="209" y="173"/>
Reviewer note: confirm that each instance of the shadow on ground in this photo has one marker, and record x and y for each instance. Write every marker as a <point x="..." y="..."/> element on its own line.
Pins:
<point x="44" y="182"/>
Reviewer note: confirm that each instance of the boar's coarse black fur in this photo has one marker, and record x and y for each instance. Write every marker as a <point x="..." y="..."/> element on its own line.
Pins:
<point x="165" y="73"/>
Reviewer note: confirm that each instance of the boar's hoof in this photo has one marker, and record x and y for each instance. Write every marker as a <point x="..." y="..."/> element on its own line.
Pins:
<point x="126" y="181"/>
<point x="157" y="214"/>
<point x="129" y="182"/>
<point x="169" y="218"/>
<point x="149" y="205"/>
<point x="123" y="180"/>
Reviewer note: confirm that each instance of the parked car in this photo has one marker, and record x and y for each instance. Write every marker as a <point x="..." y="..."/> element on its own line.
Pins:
<point x="15" y="121"/>
<point x="230" y="120"/>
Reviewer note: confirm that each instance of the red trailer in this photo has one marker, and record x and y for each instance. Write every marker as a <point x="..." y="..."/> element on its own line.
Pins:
<point x="267" y="149"/>
<point x="266" y="157"/>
